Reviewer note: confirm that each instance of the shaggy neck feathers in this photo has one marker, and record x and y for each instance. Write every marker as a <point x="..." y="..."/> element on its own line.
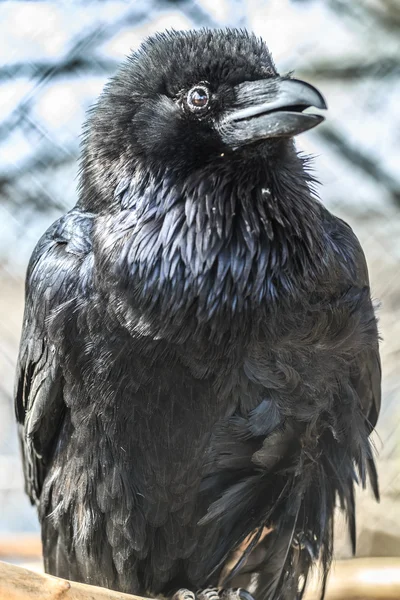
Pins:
<point x="213" y="244"/>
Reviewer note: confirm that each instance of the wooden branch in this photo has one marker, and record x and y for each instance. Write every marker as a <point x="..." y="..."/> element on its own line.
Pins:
<point x="361" y="579"/>
<point x="17" y="583"/>
<point x="21" y="546"/>
<point x="355" y="579"/>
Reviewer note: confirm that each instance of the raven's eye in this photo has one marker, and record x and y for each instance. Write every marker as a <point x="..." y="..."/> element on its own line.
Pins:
<point x="198" y="98"/>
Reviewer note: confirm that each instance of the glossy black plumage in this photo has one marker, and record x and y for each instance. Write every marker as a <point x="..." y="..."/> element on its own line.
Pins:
<point x="199" y="357"/>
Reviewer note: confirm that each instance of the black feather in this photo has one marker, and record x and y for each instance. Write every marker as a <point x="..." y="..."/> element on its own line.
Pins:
<point x="199" y="358"/>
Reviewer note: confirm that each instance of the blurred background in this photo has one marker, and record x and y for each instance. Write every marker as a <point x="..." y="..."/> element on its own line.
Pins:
<point x="54" y="60"/>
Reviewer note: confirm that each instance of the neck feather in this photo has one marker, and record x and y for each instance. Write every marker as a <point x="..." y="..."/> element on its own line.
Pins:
<point x="213" y="244"/>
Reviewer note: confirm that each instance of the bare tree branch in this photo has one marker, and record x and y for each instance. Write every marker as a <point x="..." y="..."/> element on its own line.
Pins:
<point x="382" y="67"/>
<point x="362" y="161"/>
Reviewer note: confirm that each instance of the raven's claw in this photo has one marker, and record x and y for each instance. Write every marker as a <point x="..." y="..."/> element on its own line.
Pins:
<point x="235" y="594"/>
<point x="184" y="594"/>
<point x="244" y="594"/>
<point x="213" y="594"/>
<point x="208" y="594"/>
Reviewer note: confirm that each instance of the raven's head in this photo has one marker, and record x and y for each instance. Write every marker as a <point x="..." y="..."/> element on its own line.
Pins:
<point x="189" y="157"/>
<point x="190" y="99"/>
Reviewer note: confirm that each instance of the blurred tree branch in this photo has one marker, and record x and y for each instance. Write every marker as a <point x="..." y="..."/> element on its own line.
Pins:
<point x="360" y="160"/>
<point x="69" y="65"/>
<point x="373" y="15"/>
<point x="383" y="67"/>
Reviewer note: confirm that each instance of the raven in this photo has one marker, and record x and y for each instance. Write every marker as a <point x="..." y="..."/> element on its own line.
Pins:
<point x="199" y="369"/>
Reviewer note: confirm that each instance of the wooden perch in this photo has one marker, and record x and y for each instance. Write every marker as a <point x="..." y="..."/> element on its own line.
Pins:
<point x="356" y="579"/>
<point x="17" y="583"/>
<point x="361" y="579"/>
<point x="21" y="545"/>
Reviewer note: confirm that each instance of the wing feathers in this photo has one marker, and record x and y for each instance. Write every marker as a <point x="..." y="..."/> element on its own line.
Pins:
<point x="53" y="280"/>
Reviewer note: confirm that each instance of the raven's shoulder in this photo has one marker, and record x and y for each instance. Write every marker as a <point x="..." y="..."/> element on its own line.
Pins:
<point x="366" y="375"/>
<point x="58" y="276"/>
<point x="346" y="247"/>
<point x="70" y="235"/>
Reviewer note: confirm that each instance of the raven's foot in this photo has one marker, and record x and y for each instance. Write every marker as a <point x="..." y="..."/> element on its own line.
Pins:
<point x="213" y="594"/>
<point x="208" y="594"/>
<point x="234" y="594"/>
<point x="184" y="594"/>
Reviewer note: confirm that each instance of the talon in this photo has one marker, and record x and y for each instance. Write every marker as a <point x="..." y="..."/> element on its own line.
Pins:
<point x="184" y="594"/>
<point x="244" y="594"/>
<point x="208" y="594"/>
<point x="236" y="594"/>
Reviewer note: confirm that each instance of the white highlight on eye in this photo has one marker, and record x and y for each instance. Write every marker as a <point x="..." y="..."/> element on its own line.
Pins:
<point x="191" y="100"/>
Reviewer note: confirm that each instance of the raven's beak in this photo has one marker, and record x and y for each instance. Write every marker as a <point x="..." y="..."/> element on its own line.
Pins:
<point x="270" y="108"/>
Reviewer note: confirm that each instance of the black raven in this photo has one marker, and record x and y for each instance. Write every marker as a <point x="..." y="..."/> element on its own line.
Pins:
<point x="199" y="368"/>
